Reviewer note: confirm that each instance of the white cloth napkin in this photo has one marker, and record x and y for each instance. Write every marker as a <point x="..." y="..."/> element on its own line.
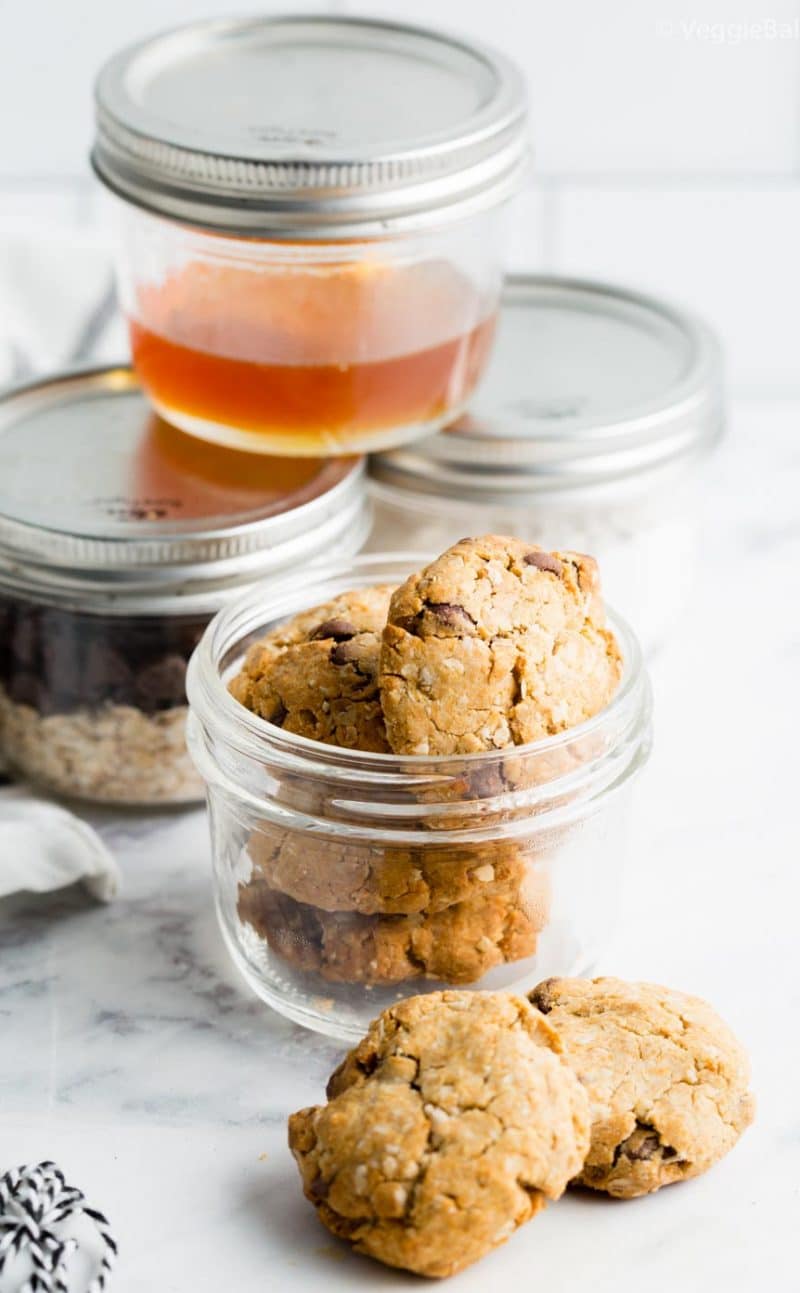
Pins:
<point x="45" y="847"/>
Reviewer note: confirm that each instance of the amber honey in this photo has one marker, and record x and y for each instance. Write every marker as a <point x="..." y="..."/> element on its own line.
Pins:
<point x="309" y="362"/>
<point x="203" y="475"/>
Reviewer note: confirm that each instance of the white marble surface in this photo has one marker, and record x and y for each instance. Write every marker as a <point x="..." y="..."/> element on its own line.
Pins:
<point x="130" y="1053"/>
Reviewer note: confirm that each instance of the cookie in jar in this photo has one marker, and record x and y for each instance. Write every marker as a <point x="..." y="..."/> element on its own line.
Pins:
<point x="475" y="841"/>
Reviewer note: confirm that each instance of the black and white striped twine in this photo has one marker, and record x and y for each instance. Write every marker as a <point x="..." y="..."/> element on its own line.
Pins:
<point x="34" y="1204"/>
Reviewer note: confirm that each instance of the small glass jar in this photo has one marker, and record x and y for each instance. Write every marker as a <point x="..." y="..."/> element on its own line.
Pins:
<point x="590" y="433"/>
<point x="316" y="269"/>
<point x="308" y="349"/>
<point x="120" y="538"/>
<point x="345" y="881"/>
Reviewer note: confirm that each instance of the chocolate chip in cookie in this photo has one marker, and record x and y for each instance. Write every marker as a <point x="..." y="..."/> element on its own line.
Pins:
<point x="338" y="629"/>
<point x="345" y="652"/>
<point x="543" y="997"/>
<point x="450" y="615"/>
<point x="544" y="561"/>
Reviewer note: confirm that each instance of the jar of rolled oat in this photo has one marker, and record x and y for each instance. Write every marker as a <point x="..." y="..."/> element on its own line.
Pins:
<point x="120" y="538"/>
<point x="345" y="880"/>
<point x="590" y="431"/>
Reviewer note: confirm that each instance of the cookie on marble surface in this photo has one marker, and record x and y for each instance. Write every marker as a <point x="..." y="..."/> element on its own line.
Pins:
<point x="448" y="1126"/>
<point x="456" y="945"/>
<point x="373" y="879"/>
<point x="316" y="675"/>
<point x="667" y="1081"/>
<point x="496" y="643"/>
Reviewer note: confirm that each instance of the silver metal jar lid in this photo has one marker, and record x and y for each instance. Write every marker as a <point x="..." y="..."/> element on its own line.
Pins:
<point x="587" y="384"/>
<point x="98" y="494"/>
<point x="307" y="126"/>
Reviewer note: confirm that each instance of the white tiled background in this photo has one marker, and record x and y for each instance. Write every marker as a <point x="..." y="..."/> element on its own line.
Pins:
<point x="667" y="137"/>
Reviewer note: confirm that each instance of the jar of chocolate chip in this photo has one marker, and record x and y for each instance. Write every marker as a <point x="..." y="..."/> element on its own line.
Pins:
<point x="120" y="538"/>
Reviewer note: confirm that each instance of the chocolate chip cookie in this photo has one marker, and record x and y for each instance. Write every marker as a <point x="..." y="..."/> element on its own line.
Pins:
<point x="457" y="945"/>
<point x="666" y="1079"/>
<point x="317" y="674"/>
<point x="448" y="1126"/>
<point x="496" y="643"/>
<point x="371" y="879"/>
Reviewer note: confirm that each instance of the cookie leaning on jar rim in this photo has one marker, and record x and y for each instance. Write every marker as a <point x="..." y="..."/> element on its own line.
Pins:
<point x="411" y="780"/>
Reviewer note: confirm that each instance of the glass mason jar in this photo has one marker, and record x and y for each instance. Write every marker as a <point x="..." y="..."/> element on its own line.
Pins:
<point x="305" y="348"/>
<point x="590" y="432"/>
<point x="317" y="269"/>
<point x="120" y="538"/>
<point x="345" y="880"/>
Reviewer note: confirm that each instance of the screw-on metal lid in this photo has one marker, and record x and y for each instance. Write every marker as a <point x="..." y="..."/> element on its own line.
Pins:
<point x="301" y="126"/>
<point x="587" y="384"/>
<point x="96" y="491"/>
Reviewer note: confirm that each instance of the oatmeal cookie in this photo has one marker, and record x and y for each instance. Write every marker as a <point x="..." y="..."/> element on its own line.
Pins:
<point x="370" y="879"/>
<point x="496" y="643"/>
<point x="317" y="674"/>
<point x="448" y="1126"/>
<point x="457" y="945"/>
<point x="666" y="1079"/>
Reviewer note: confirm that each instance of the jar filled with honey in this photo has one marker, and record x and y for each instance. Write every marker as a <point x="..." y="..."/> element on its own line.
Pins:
<point x="308" y="217"/>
